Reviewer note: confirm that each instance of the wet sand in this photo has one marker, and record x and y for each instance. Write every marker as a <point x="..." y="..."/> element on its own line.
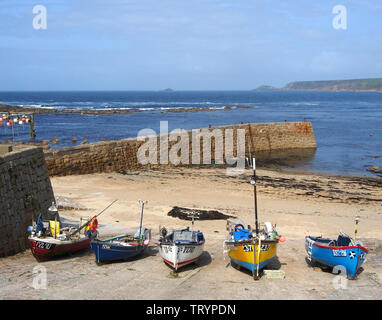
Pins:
<point x="300" y="204"/>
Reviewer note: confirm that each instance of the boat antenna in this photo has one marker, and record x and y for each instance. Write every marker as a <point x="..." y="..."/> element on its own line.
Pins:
<point x="192" y="215"/>
<point x="142" y="203"/>
<point x="253" y="182"/>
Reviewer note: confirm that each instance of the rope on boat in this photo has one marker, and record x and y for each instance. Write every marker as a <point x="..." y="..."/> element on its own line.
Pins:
<point x="258" y="256"/>
<point x="225" y="250"/>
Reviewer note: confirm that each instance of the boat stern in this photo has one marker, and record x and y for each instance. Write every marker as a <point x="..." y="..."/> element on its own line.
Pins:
<point x="248" y="256"/>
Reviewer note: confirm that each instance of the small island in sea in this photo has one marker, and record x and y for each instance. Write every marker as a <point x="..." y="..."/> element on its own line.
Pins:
<point x="265" y="88"/>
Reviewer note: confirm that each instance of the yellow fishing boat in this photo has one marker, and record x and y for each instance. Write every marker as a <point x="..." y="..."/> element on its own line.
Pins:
<point x="252" y="254"/>
<point x="252" y="249"/>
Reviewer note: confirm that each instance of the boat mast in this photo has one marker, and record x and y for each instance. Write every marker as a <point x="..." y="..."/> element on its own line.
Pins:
<point x="253" y="182"/>
<point x="140" y="226"/>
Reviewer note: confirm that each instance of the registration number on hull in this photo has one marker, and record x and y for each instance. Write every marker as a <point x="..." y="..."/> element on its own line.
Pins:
<point x="249" y="248"/>
<point x="339" y="253"/>
<point x="186" y="249"/>
<point x="45" y="245"/>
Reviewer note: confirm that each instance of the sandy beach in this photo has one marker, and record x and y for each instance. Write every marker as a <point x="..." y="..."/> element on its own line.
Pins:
<point x="300" y="204"/>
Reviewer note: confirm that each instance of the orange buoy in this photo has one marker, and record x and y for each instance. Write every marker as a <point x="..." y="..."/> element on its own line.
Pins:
<point x="370" y="134"/>
<point x="93" y="224"/>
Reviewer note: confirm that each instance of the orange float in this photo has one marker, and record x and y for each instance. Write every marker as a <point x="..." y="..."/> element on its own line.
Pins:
<point x="93" y="224"/>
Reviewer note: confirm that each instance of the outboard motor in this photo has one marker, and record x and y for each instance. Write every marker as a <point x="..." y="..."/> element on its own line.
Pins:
<point x="268" y="228"/>
<point x="163" y="232"/>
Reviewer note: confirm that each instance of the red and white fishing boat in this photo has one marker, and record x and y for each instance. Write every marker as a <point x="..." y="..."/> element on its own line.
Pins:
<point x="180" y="247"/>
<point x="45" y="248"/>
<point x="50" y="241"/>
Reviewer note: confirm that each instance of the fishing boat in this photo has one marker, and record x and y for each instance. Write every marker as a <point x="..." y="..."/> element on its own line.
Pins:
<point x="180" y="247"/>
<point x="50" y="240"/>
<point x="123" y="246"/>
<point x="251" y="249"/>
<point x="345" y="254"/>
<point x="45" y="248"/>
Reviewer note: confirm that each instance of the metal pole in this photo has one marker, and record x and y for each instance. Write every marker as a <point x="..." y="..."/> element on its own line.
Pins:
<point x="32" y="133"/>
<point x="13" y="132"/>
<point x="140" y="226"/>
<point x="55" y="225"/>
<point x="356" y="226"/>
<point x="253" y="181"/>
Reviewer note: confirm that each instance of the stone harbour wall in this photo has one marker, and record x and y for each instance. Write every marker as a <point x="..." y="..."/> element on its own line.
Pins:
<point x="121" y="155"/>
<point x="25" y="191"/>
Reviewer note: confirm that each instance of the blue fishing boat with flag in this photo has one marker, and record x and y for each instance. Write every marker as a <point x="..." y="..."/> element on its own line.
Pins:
<point x="345" y="254"/>
<point x="123" y="246"/>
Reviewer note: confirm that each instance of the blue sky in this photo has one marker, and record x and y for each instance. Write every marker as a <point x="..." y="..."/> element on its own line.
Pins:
<point x="185" y="44"/>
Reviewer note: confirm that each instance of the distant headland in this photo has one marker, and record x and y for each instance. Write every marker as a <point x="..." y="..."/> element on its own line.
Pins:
<point x="374" y="84"/>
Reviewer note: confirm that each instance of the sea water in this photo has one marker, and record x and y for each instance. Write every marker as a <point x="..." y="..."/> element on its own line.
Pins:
<point x="347" y="125"/>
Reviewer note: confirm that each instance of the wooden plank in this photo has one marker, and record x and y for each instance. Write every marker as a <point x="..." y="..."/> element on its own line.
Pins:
<point x="273" y="274"/>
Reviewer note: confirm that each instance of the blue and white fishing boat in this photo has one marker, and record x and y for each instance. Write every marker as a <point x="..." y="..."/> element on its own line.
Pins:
<point x="123" y="246"/>
<point x="345" y="254"/>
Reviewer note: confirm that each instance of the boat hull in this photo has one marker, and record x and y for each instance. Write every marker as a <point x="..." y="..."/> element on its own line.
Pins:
<point x="245" y="254"/>
<point x="108" y="251"/>
<point x="344" y="258"/>
<point x="49" y="248"/>
<point x="180" y="255"/>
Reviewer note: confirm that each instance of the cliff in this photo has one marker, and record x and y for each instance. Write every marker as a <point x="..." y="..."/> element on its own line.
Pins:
<point x="337" y="85"/>
<point x="330" y="85"/>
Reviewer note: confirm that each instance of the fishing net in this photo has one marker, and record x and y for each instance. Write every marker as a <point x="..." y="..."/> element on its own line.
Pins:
<point x="186" y="214"/>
